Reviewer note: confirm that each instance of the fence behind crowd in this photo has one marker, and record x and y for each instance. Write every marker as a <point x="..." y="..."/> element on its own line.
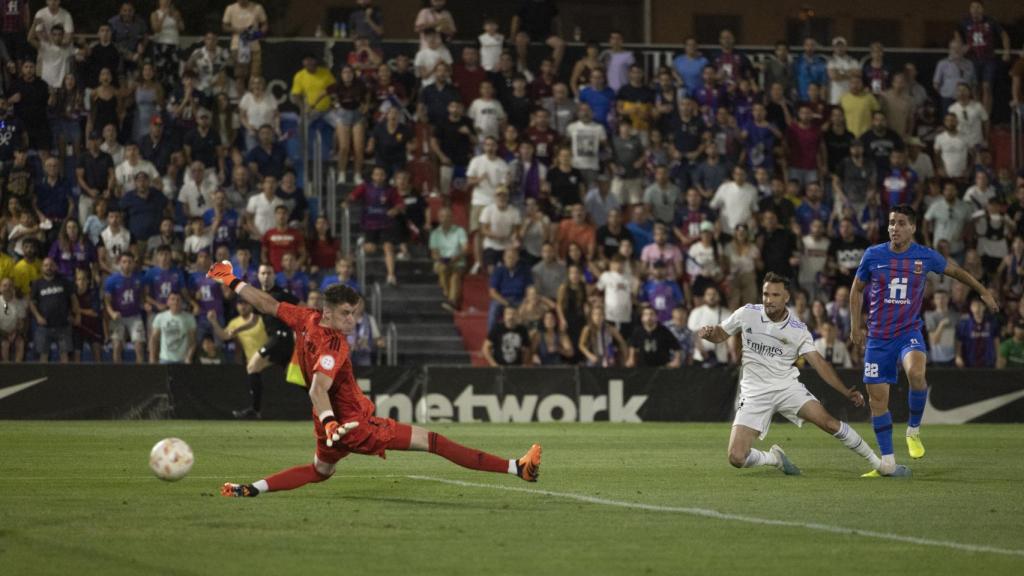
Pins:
<point x="458" y="394"/>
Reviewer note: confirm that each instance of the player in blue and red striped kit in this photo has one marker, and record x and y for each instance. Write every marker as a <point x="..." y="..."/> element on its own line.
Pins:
<point x="894" y="274"/>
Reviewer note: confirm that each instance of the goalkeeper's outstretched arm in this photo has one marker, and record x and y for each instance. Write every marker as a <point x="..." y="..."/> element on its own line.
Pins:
<point x="263" y="303"/>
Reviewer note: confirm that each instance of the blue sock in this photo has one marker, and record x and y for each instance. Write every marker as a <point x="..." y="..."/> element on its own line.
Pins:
<point x="916" y="399"/>
<point x="883" y="432"/>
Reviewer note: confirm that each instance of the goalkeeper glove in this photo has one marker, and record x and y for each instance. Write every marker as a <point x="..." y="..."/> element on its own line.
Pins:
<point x="335" y="431"/>
<point x="223" y="274"/>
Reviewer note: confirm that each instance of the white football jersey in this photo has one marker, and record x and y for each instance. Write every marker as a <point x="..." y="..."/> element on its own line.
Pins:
<point x="770" y="349"/>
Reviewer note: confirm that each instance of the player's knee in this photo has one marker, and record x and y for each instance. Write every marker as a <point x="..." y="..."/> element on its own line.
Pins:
<point x="324" y="470"/>
<point x="916" y="375"/>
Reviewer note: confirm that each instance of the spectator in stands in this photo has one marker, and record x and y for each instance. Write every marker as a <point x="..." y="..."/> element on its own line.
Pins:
<point x="433" y="61"/>
<point x="972" y="119"/>
<point x="652" y="345"/>
<point x="197" y="191"/>
<point x="549" y="274"/>
<point x="282" y="239"/>
<point x="508" y="343"/>
<point x="814" y="247"/>
<point x="292" y="278"/>
<point x="641" y="228"/>
<point x="54" y="310"/>
<point x="832" y="349"/>
<point x="743" y="261"/>
<point x="979" y="33"/>
<point x="841" y="70"/>
<point x="452" y="143"/>
<point x="72" y="251"/>
<point x="434" y="18"/>
<point x="600" y="342"/>
<point x="261" y="208"/>
<point x="736" y="200"/>
<point x="946" y="219"/>
<point x="689" y="66"/>
<point x="803" y="140"/>
<point x="941" y="324"/>
<point x="94" y="174"/>
<point x="143" y="208"/>
<point x="269" y="158"/>
<point x="599" y="201"/>
<point x="856" y="177"/>
<point x="561" y="109"/>
<point x="173" y="338"/>
<point x="814" y="207"/>
<point x="123" y="297"/>
<point x="54" y="199"/>
<point x="258" y="108"/>
<point x="919" y="162"/>
<point x="977" y="338"/>
<point x="381" y="204"/>
<point x="308" y="88"/>
<point x="599" y="97"/>
<point x="550" y="344"/>
<point x="619" y="288"/>
<point x="1011" y="350"/>
<point x="125" y="173"/>
<point x="565" y="182"/>
<point x="322" y="247"/>
<point x="689" y="217"/>
<point x="710" y="312"/>
<point x="161" y="280"/>
<point x="809" y="68"/>
<point x="486" y="112"/>
<point x="576" y="230"/>
<point x="389" y="141"/>
<point x="950" y="72"/>
<point x="246" y="22"/>
<point x="953" y="151"/>
<point x="365" y="20"/>
<point x="448" y="248"/>
<point x="858" y="107"/>
<point x="778" y="246"/>
<point x="28" y="269"/>
<point x="626" y="164"/>
<point x="343" y="271"/>
<point x="990" y="228"/>
<point x="661" y="292"/>
<point x="13" y="323"/>
<point x="508" y="284"/>
<point x="166" y="237"/>
<point x="55" y="53"/>
<point x="499" y="227"/>
<point x="879" y="143"/>
<point x="661" y="251"/>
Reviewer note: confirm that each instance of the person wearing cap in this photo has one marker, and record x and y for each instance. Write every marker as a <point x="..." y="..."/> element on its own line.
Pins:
<point x="841" y="68"/>
<point x="95" y="175"/>
<point x="157" y="145"/>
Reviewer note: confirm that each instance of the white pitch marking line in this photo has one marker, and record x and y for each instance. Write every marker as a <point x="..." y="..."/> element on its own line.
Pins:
<point x="147" y="477"/>
<point x="708" y="513"/>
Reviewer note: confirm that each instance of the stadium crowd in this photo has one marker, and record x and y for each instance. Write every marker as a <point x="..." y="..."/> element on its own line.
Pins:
<point x="613" y="211"/>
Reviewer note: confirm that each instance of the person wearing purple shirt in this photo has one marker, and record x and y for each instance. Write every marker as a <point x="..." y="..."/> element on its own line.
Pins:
<point x="72" y="251"/>
<point x="292" y="279"/>
<point x="207" y="294"/>
<point x="662" y="294"/>
<point x="123" y="298"/>
<point x="894" y="276"/>
<point x="812" y="208"/>
<point x="162" y="280"/>
<point x="710" y="94"/>
<point x="243" y="266"/>
<point x="977" y="338"/>
<point x="760" y="136"/>
<point x="222" y="222"/>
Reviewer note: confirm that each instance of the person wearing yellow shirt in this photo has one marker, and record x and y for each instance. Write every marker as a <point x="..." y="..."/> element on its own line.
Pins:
<point x="28" y="269"/>
<point x="6" y="266"/>
<point x="858" y="106"/>
<point x="247" y="330"/>
<point x="308" y="86"/>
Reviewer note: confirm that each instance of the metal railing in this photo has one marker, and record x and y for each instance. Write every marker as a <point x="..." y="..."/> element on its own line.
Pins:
<point x="391" y="344"/>
<point x="304" y="151"/>
<point x="376" y="302"/>
<point x="360" y="264"/>
<point x="346" y="231"/>
<point x="318" y="164"/>
<point x="1016" y="126"/>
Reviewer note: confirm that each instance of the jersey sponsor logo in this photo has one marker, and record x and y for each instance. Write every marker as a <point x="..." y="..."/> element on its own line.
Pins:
<point x="327" y="362"/>
<point x="764" y="349"/>
<point x="918" y="267"/>
<point x="898" y="288"/>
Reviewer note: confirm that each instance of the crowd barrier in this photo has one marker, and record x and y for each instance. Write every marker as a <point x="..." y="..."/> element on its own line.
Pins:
<point x="464" y="394"/>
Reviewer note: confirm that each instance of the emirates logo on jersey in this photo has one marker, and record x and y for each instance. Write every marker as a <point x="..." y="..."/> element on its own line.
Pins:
<point x="327" y="362"/>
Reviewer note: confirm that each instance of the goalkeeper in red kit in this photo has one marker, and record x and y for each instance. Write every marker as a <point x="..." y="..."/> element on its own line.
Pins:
<point x="343" y="418"/>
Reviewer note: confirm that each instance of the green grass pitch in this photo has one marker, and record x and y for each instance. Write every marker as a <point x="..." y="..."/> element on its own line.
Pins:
<point x="78" y="498"/>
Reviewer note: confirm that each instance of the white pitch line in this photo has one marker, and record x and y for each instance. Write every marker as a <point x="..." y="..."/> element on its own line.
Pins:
<point x="146" y="477"/>
<point x="708" y="513"/>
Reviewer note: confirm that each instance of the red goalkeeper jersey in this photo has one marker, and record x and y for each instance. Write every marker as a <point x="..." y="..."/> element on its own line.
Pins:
<point x="324" y="350"/>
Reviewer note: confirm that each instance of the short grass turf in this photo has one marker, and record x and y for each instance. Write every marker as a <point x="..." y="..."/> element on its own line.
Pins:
<point x="78" y="498"/>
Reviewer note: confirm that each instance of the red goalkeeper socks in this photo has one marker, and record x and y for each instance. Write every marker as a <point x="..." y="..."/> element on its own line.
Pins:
<point x="466" y="457"/>
<point x="293" y="478"/>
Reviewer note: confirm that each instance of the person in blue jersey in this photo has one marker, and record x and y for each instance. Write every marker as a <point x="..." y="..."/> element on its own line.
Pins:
<point x="160" y="281"/>
<point x="123" y="299"/>
<point x="894" y="277"/>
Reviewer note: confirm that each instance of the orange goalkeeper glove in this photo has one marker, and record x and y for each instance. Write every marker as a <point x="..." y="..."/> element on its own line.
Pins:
<point x="335" y="431"/>
<point x="223" y="274"/>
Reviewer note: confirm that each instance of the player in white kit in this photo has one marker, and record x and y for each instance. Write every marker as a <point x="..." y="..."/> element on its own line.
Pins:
<point x="772" y="342"/>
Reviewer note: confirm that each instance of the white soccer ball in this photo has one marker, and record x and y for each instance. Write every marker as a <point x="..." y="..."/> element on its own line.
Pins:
<point x="171" y="459"/>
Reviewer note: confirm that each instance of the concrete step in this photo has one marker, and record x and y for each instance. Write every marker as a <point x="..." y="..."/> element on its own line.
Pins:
<point x="419" y="359"/>
<point x="427" y="330"/>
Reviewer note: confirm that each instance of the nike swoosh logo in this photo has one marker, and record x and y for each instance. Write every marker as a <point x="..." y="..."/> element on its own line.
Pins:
<point x="12" y="390"/>
<point x="880" y="266"/>
<point x="968" y="412"/>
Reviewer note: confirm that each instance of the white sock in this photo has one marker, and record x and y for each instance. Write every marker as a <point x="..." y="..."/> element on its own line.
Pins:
<point x="759" y="458"/>
<point x="889" y="459"/>
<point x="913" y="430"/>
<point x="849" y="437"/>
<point x="513" y="467"/>
<point x="261" y="485"/>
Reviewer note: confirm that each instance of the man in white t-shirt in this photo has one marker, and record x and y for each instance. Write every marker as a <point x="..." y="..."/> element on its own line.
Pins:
<point x="13" y="312"/>
<point x="772" y="341"/>
<point x="55" y="54"/>
<point x="124" y="174"/>
<point x="428" y="57"/>
<point x="485" y="174"/>
<point x="196" y="192"/>
<point x="952" y="150"/>
<point x="259" y="212"/>
<point x="52" y="14"/>
<point x="736" y="201"/>
<point x="114" y="241"/>
<point x="499" y="225"/>
<point x="618" y="289"/>
<point x="487" y="113"/>
<point x="588" y="138"/>
<point x="710" y="312"/>
<point x="813" y="255"/>
<point x="971" y="116"/>
<point x="840" y="69"/>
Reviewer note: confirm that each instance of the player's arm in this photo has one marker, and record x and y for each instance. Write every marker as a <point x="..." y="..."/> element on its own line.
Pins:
<point x="856" y="305"/>
<point x="828" y="374"/>
<point x="715" y="334"/>
<point x="953" y="270"/>
<point x="322" y="406"/>
<point x="263" y="303"/>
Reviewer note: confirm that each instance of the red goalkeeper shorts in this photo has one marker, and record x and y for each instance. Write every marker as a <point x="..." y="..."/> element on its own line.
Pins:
<point x="373" y="436"/>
